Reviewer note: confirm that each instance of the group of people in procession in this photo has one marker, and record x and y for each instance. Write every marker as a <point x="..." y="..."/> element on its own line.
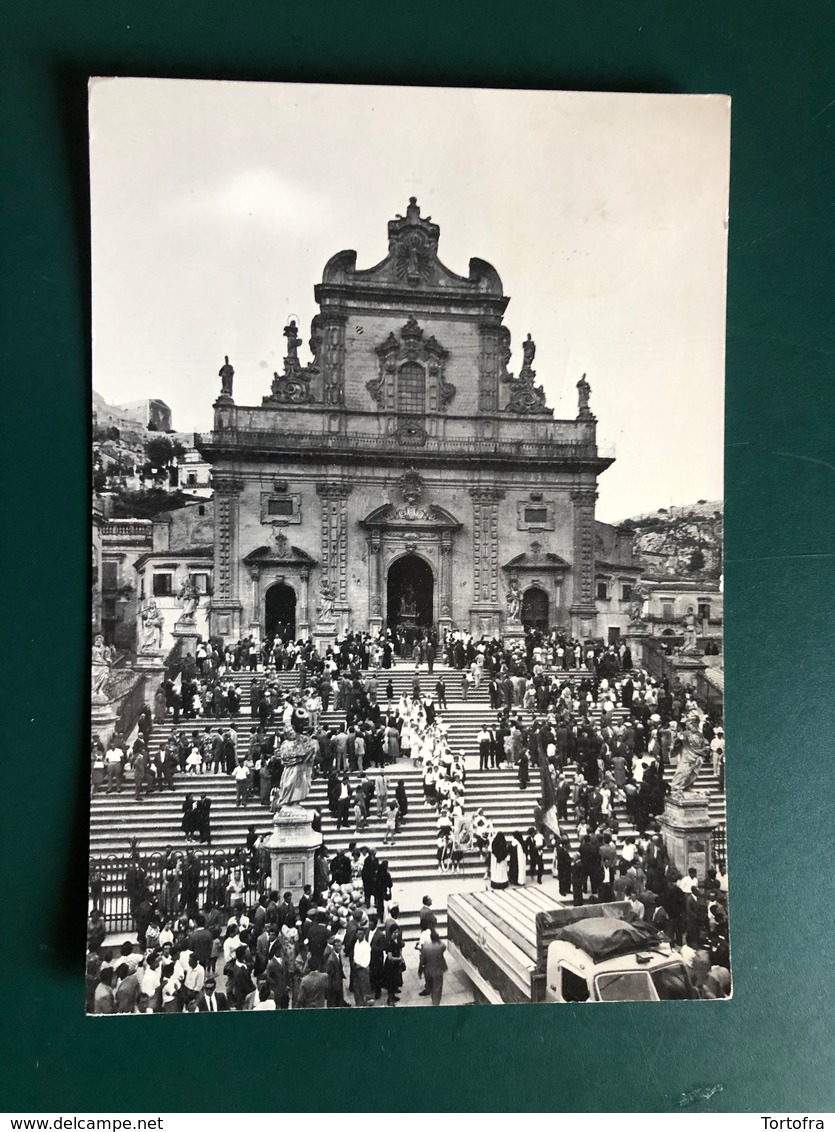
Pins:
<point x="607" y="738"/>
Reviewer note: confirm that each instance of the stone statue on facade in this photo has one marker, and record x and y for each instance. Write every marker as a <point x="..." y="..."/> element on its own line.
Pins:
<point x="189" y="596"/>
<point x="298" y="753"/>
<point x="152" y="623"/>
<point x="583" y="394"/>
<point x="327" y="597"/>
<point x="291" y="333"/>
<point x="101" y="663"/>
<point x="692" y="755"/>
<point x="637" y="598"/>
<point x="226" y="373"/>
<point x="691" y="644"/>
<point x="528" y="353"/>
<point x="514" y="604"/>
<point x="525" y="397"/>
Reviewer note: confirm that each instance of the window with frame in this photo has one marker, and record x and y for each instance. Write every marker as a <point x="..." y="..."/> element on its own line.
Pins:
<point x="191" y="479"/>
<point x="602" y="589"/>
<point x="109" y="575"/>
<point x="704" y="610"/>
<point x="667" y="609"/>
<point x="201" y="582"/>
<point x="163" y="585"/>
<point x="573" y="988"/>
<point x="626" y="591"/>
<point x="411" y="388"/>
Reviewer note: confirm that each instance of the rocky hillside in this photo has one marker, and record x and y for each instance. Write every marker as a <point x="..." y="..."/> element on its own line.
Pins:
<point x="681" y="542"/>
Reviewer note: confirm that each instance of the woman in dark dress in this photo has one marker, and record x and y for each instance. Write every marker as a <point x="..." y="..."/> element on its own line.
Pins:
<point x="188" y="824"/>
<point x="202" y="819"/>
<point x="402" y="799"/>
<point x="393" y="975"/>
<point x="382" y="888"/>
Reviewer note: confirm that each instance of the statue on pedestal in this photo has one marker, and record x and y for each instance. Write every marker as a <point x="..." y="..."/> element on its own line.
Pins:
<point x="638" y="597"/>
<point x="190" y="598"/>
<point x="152" y="625"/>
<point x="691" y="758"/>
<point x="528" y="353"/>
<point x="101" y="660"/>
<point x="226" y="373"/>
<point x="298" y="753"/>
<point x="408" y="603"/>
<point x="583" y="393"/>
<point x="327" y="597"/>
<point x="691" y="645"/>
<point x="514" y="604"/>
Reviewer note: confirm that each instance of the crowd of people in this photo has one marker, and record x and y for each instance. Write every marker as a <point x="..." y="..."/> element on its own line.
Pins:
<point x="606" y="736"/>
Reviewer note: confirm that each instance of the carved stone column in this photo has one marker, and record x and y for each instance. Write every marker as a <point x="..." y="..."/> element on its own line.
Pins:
<point x="445" y="584"/>
<point x="304" y="604"/>
<point x="255" y="623"/>
<point x="485" y="614"/>
<point x="583" y="609"/>
<point x="375" y="592"/>
<point x="226" y="603"/>
<point x="334" y="557"/>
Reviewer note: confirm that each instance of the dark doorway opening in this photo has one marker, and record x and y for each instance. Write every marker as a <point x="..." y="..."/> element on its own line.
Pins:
<point x="535" y="609"/>
<point x="410" y="594"/>
<point x="280" y="611"/>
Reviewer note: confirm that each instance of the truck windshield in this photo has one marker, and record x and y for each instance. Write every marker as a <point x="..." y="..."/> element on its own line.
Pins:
<point x="625" y="986"/>
<point x="672" y="982"/>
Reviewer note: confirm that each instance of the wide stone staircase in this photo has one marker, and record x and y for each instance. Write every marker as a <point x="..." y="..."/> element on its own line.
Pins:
<point x="155" y="820"/>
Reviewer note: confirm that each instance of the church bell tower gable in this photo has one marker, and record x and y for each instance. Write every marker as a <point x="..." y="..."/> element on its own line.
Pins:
<point x="412" y="327"/>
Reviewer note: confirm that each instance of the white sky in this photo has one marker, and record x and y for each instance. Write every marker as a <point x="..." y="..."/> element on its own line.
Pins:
<point x="215" y="206"/>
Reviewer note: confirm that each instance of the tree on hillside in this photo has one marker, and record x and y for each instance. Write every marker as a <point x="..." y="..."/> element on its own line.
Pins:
<point x="160" y="454"/>
<point x="697" y="560"/>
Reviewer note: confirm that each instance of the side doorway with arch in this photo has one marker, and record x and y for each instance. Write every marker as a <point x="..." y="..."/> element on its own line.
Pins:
<point x="280" y="611"/>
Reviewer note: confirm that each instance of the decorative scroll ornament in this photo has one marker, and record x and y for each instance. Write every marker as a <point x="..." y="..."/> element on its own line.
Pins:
<point x="525" y="397"/>
<point x="293" y="386"/>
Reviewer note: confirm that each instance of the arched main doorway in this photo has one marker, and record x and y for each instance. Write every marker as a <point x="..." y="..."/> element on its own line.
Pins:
<point x="280" y="611"/>
<point x="410" y="594"/>
<point x="535" y="609"/>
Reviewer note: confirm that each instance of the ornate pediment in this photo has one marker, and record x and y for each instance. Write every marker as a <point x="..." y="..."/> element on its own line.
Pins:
<point x="412" y="262"/>
<point x="543" y="562"/>
<point x="415" y="515"/>
<point x="279" y="551"/>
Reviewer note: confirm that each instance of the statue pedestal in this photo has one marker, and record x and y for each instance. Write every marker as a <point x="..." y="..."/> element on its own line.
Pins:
<point x="636" y="637"/>
<point x="688" y="667"/>
<point x="292" y="845"/>
<point x="685" y="825"/>
<point x="188" y="634"/>
<point x="103" y="716"/>
<point x="514" y="632"/>
<point x="323" y="635"/>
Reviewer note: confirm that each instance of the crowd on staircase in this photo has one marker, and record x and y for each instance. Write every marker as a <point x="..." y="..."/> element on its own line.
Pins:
<point x="601" y="738"/>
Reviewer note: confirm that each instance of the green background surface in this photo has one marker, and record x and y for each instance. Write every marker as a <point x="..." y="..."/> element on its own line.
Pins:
<point x="769" y="1049"/>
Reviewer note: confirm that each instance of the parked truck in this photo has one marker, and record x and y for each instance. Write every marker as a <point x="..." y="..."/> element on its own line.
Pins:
<point x="518" y="945"/>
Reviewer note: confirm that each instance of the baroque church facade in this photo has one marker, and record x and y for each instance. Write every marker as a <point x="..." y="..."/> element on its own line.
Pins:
<point x="404" y="474"/>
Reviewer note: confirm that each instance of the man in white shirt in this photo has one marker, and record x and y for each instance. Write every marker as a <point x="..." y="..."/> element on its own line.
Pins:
<point x="195" y="976"/>
<point x="361" y="964"/>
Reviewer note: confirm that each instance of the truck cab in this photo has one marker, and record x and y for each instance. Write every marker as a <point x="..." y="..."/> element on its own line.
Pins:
<point x="573" y="975"/>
